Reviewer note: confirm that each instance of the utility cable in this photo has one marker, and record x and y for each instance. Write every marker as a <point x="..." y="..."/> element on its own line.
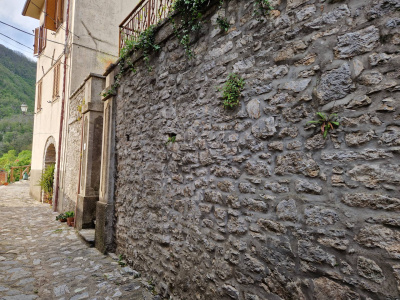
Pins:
<point x="30" y="33"/>
<point x="29" y="47"/>
<point x="47" y="15"/>
<point x="16" y="41"/>
<point x="19" y="48"/>
<point x="55" y="41"/>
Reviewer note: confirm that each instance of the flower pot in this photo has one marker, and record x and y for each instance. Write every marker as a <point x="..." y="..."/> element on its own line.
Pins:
<point x="63" y="220"/>
<point x="70" y="221"/>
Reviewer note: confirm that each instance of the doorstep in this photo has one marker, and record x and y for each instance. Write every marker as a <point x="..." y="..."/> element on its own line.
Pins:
<point x="87" y="235"/>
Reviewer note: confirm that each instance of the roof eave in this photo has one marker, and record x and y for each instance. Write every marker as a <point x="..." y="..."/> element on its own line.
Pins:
<point x="32" y="13"/>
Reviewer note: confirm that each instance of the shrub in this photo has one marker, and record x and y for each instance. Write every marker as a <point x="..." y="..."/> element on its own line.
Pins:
<point x="46" y="180"/>
<point x="231" y="91"/>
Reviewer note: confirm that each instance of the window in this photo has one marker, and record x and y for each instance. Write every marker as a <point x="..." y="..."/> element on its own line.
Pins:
<point x="54" y="14"/>
<point x="40" y="40"/>
<point x="56" y="82"/>
<point x="39" y="97"/>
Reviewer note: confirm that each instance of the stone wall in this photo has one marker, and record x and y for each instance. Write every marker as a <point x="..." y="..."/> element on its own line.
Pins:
<point x="72" y="154"/>
<point x="253" y="203"/>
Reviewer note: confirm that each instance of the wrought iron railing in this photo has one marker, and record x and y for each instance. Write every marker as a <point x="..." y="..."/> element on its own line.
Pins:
<point x="145" y="14"/>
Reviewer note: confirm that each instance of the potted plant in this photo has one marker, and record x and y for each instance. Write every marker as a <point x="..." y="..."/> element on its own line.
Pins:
<point x="61" y="218"/>
<point x="70" y="217"/>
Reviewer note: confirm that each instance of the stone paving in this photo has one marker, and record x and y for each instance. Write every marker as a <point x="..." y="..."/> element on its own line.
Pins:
<point x="41" y="258"/>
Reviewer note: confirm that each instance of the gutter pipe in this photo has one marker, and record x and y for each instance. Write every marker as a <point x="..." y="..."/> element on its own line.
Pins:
<point x="62" y="112"/>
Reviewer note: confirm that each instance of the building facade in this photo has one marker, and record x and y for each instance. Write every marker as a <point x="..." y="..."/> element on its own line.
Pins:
<point x="73" y="40"/>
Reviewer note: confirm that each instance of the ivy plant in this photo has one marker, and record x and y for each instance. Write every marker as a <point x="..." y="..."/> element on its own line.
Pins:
<point x="190" y="13"/>
<point x="231" y="91"/>
<point x="145" y="42"/>
<point x="326" y="122"/>
<point x="262" y="8"/>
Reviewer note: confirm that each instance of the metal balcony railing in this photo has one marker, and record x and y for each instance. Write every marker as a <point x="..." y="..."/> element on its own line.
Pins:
<point x="145" y="14"/>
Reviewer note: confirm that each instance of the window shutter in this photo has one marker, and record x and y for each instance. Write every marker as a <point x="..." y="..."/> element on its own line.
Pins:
<point x="60" y="11"/>
<point x="42" y="40"/>
<point x="50" y="19"/>
<point x="56" y="83"/>
<point x="36" y="44"/>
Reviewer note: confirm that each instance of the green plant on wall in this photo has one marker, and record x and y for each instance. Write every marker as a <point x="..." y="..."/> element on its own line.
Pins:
<point x="223" y="23"/>
<point x="145" y="42"/>
<point x="262" y="8"/>
<point x="171" y="139"/>
<point x="46" y="180"/>
<point x="231" y="91"/>
<point x="326" y="122"/>
<point x="190" y="14"/>
<point x="79" y="108"/>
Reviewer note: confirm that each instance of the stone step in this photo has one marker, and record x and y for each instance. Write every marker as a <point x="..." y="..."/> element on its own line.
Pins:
<point x="87" y="235"/>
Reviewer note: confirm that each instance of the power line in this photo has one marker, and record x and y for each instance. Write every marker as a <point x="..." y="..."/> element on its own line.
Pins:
<point x="29" y="47"/>
<point x="55" y="41"/>
<point x="30" y="33"/>
<point x="53" y="19"/>
<point x="19" y="48"/>
<point x="16" y="41"/>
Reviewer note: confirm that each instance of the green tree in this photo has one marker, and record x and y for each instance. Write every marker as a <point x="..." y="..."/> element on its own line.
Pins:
<point x="17" y="86"/>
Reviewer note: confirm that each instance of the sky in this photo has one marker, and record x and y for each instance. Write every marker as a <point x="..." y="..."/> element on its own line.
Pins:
<point x="11" y="13"/>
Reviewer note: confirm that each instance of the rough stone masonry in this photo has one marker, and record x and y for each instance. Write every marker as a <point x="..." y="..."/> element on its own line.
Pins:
<point x="253" y="203"/>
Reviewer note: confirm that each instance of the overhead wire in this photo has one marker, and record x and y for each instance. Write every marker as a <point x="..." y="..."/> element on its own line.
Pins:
<point x="47" y="15"/>
<point x="16" y="41"/>
<point x="19" y="48"/>
<point x="28" y="47"/>
<point x="55" y="41"/>
<point x="30" y="33"/>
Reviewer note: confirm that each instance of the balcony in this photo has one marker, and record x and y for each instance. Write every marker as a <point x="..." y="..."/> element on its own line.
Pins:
<point x="145" y="14"/>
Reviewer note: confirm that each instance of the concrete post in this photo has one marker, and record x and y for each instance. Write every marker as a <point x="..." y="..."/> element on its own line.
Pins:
<point x="92" y="134"/>
<point x="104" y="238"/>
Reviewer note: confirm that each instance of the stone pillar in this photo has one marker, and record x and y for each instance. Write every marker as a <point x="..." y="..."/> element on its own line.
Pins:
<point x="92" y="134"/>
<point x="104" y="238"/>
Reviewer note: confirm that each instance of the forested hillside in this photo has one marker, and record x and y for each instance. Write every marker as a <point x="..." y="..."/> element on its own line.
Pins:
<point x="17" y="86"/>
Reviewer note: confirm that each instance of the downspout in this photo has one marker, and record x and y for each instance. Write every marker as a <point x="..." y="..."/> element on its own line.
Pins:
<point x="62" y="112"/>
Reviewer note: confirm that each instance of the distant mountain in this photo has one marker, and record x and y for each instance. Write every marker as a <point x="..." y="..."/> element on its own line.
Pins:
<point x="17" y="86"/>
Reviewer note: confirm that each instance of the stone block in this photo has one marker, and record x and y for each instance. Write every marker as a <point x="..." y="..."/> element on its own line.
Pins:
<point x="335" y="84"/>
<point x="85" y="212"/>
<point x="358" y="42"/>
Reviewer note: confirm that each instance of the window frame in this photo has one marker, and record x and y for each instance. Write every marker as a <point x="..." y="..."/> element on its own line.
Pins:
<point x="56" y="80"/>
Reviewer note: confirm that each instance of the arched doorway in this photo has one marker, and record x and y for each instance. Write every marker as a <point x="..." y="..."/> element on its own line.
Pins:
<point x="47" y="178"/>
<point x="50" y="157"/>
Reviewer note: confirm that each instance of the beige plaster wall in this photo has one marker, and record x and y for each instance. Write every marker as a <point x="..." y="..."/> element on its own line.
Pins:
<point x="47" y="120"/>
<point x="95" y="43"/>
<point x="92" y="46"/>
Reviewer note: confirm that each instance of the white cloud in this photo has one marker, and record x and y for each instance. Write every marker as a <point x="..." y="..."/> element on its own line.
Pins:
<point x="11" y="13"/>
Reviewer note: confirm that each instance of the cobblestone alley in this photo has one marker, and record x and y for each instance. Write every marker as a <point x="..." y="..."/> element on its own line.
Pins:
<point x="41" y="258"/>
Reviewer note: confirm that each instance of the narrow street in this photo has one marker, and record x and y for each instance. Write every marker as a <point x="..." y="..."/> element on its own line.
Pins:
<point x="41" y="258"/>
